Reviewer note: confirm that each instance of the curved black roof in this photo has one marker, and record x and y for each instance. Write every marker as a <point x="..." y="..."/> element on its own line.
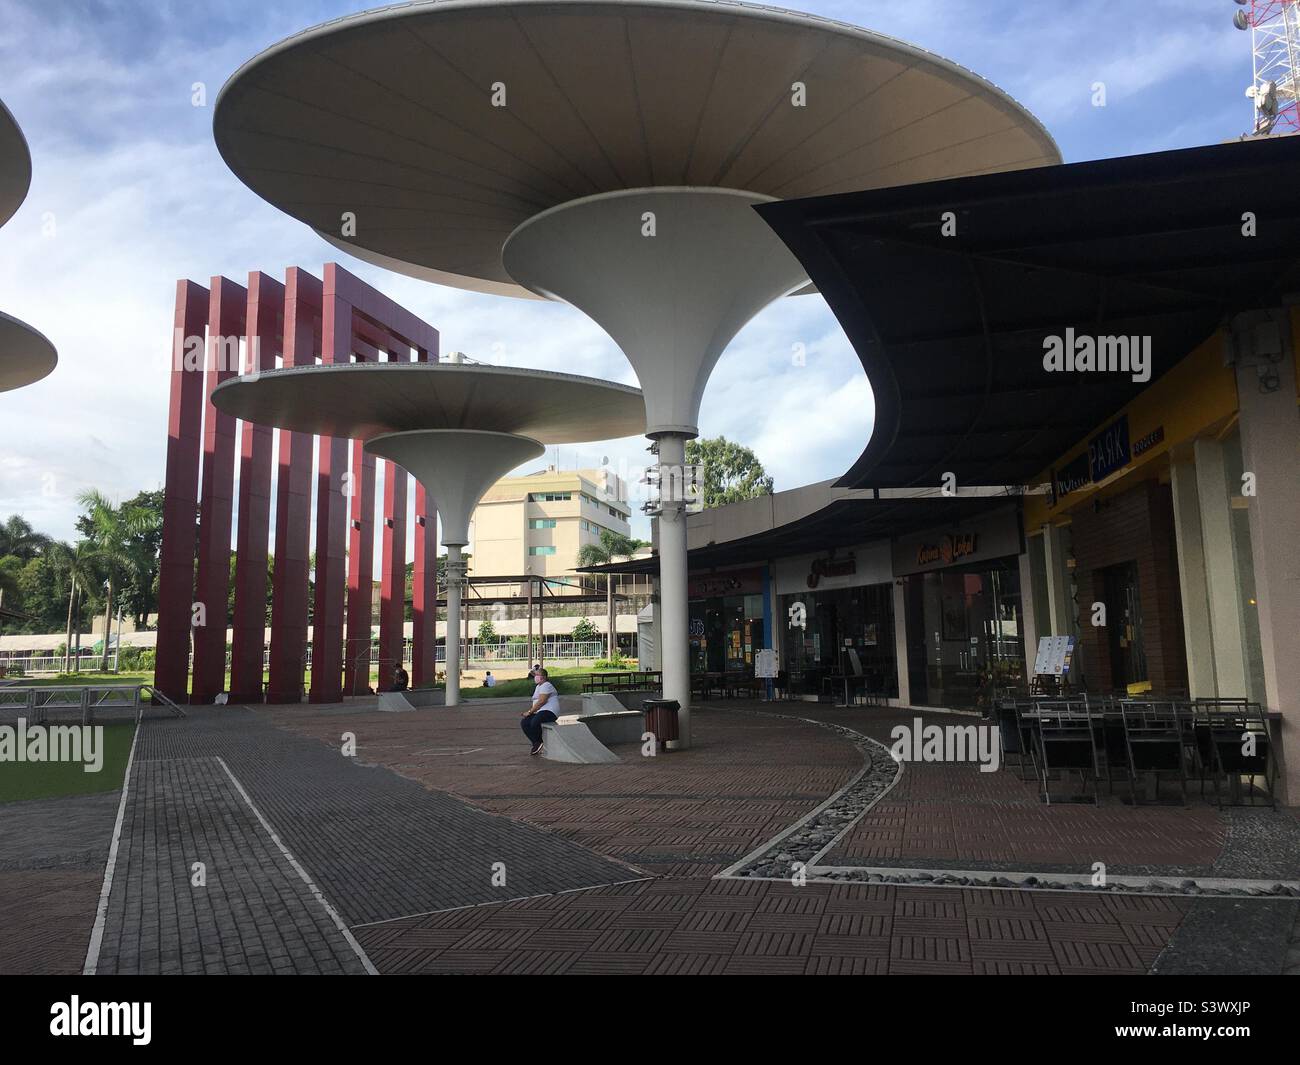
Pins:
<point x="950" y="329"/>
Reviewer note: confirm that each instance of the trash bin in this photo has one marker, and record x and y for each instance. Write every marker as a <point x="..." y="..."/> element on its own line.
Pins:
<point x="661" y="720"/>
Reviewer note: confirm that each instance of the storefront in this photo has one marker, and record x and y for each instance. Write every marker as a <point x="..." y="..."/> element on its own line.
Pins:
<point x="726" y="621"/>
<point x="836" y="618"/>
<point x="964" y="618"/>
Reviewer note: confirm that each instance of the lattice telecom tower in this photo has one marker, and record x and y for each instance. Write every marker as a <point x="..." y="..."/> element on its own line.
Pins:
<point x="1275" y="41"/>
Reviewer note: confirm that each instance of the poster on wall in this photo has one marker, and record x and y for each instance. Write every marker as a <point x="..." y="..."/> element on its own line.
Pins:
<point x="1055" y="654"/>
<point x="765" y="663"/>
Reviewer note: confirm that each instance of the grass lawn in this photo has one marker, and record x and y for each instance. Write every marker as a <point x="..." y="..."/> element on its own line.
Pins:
<point x="47" y="780"/>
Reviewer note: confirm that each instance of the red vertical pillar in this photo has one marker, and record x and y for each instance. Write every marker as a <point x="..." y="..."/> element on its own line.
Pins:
<point x="361" y="568"/>
<point x="180" y="499"/>
<point x="392" y="594"/>
<point x="248" y="635"/>
<point x="226" y="308"/>
<point x="424" y="581"/>
<point x="331" y="513"/>
<point x="293" y="506"/>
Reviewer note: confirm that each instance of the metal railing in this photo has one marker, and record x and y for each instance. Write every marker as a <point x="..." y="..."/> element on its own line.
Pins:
<point x="36" y="703"/>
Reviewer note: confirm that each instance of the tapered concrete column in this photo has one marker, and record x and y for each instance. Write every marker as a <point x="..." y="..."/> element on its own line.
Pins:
<point x="1191" y="580"/>
<point x="674" y="654"/>
<point x="1227" y="622"/>
<point x="455" y="582"/>
<point x="456" y="467"/>
<point x="1270" y="443"/>
<point x="671" y="274"/>
<point x="1060" y="607"/>
<point x="900" y="644"/>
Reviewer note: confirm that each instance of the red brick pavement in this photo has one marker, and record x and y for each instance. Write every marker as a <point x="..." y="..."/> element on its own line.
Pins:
<point x="687" y="815"/>
<point x="954" y="814"/>
<point x="677" y="925"/>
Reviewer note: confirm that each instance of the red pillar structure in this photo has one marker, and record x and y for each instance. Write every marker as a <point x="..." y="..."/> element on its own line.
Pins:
<point x="331" y="512"/>
<point x="180" y="503"/>
<point x="263" y="342"/>
<point x="392" y="595"/>
<point x="226" y="308"/>
<point x="424" y="580"/>
<point x="361" y="568"/>
<point x="293" y="505"/>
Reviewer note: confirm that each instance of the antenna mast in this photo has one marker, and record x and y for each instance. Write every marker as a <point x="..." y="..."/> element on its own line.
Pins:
<point x="1275" y="43"/>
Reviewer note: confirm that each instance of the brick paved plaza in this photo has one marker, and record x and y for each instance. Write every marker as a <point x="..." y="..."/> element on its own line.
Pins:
<point x="443" y="847"/>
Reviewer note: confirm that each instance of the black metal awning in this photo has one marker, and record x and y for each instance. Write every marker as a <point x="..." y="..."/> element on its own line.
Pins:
<point x="843" y="523"/>
<point x="951" y="329"/>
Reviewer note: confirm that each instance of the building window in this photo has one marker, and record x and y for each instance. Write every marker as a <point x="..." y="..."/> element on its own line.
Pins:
<point x="541" y="523"/>
<point x="549" y="549"/>
<point x="551" y="497"/>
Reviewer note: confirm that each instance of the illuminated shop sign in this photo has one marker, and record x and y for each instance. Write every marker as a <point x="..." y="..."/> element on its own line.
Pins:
<point x="948" y="550"/>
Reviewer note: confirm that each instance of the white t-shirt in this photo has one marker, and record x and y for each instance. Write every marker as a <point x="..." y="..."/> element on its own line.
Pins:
<point x="552" y="697"/>
<point x="491" y="681"/>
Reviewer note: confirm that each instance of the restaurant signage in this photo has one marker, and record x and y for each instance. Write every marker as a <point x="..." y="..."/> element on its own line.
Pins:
<point x="1072" y="476"/>
<point x="716" y="585"/>
<point x="831" y="567"/>
<point x="1108" y="451"/>
<point x="948" y="550"/>
<point x="1146" y="443"/>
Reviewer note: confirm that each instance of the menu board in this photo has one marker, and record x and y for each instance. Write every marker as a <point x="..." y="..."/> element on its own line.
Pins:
<point x="765" y="663"/>
<point x="1055" y="654"/>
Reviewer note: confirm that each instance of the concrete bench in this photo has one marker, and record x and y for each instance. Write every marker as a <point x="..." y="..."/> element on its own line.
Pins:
<point x="413" y="699"/>
<point x="573" y="742"/>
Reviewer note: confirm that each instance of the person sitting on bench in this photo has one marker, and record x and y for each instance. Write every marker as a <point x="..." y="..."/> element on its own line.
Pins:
<point x="400" y="679"/>
<point x="545" y="708"/>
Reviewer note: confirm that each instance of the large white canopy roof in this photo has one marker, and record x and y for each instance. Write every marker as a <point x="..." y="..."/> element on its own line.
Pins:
<point x="25" y="355"/>
<point x="366" y="400"/>
<point x="15" y="165"/>
<point x="389" y="114"/>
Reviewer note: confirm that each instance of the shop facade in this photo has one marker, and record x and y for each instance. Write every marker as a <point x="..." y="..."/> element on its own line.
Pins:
<point x="964" y="622"/>
<point x="836" y="617"/>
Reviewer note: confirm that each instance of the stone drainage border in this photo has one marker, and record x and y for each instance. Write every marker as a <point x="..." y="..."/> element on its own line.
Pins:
<point x="814" y="835"/>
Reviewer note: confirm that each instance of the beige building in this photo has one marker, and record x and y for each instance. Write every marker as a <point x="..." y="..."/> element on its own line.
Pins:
<point x="537" y="524"/>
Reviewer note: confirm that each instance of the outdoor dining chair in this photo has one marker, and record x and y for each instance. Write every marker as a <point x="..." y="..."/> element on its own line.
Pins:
<point x="1066" y="743"/>
<point x="1154" y="736"/>
<point x="1240" y="745"/>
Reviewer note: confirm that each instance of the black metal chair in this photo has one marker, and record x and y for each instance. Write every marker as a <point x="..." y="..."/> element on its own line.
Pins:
<point x="1066" y="742"/>
<point x="1016" y="735"/>
<point x="1241" y="745"/>
<point x="1153" y="734"/>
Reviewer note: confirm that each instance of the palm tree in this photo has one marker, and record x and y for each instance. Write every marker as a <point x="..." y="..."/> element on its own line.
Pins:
<point x="113" y="532"/>
<point x="611" y="548"/>
<point x="78" y="566"/>
<point x="18" y="538"/>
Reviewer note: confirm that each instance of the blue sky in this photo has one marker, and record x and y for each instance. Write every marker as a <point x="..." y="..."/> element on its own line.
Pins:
<point x="126" y="172"/>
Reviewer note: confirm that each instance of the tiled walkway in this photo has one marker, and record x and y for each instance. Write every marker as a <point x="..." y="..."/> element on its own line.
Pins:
<point x="443" y="847"/>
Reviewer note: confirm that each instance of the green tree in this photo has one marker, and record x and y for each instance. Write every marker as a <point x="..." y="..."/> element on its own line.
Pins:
<point x="611" y="548"/>
<point x="487" y="632"/>
<point x="18" y="538"/>
<point x="115" y="532"/>
<point x="584" y="631"/>
<point x="80" y="567"/>
<point x="731" y="472"/>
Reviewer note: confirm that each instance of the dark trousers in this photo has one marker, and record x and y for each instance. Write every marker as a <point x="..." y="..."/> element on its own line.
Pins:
<point x="532" y="725"/>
